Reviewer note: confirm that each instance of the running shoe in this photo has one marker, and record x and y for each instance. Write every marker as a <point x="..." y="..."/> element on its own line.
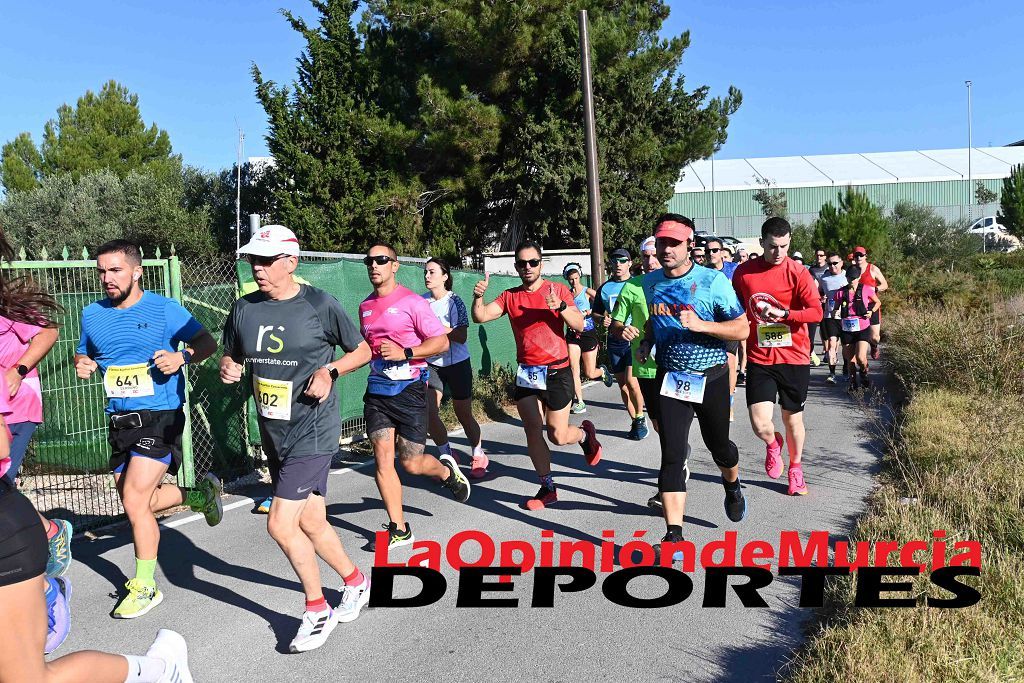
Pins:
<point x="815" y="360"/>
<point x="264" y="506"/>
<point x="211" y="506"/>
<point x="313" y="630"/>
<point x="853" y="383"/>
<point x="140" y="600"/>
<point x="456" y="481"/>
<point x="170" y="648"/>
<point x="606" y="376"/>
<point x="741" y="378"/>
<point x="670" y="537"/>
<point x="59" y="559"/>
<point x="865" y="382"/>
<point x="353" y="599"/>
<point x="478" y="466"/>
<point x="773" y="457"/>
<point x="735" y="505"/>
<point x="830" y="380"/>
<point x="58" y="614"/>
<point x="544" y="497"/>
<point x="396" y="538"/>
<point x="591" y="446"/>
<point x="876" y="352"/>
<point x="578" y="408"/>
<point x="640" y="425"/>
<point x="797" y="487"/>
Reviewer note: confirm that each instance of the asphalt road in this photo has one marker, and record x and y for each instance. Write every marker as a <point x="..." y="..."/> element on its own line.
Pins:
<point x="230" y="591"/>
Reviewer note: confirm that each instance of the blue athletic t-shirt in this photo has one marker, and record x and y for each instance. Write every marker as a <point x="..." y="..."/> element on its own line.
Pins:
<point x="705" y="291"/>
<point x="114" y="336"/>
<point x="728" y="268"/>
<point x="604" y="302"/>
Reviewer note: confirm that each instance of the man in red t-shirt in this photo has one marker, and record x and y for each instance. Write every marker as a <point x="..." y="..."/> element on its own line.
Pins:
<point x="539" y="310"/>
<point x="780" y="297"/>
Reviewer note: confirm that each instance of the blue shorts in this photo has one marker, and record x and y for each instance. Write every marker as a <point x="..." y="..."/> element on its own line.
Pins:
<point x="620" y="357"/>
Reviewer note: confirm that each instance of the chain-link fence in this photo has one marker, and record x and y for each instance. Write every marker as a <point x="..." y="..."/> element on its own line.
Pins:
<point x="66" y="471"/>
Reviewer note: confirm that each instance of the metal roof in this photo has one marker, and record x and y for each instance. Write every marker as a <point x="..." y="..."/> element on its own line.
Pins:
<point x="850" y="169"/>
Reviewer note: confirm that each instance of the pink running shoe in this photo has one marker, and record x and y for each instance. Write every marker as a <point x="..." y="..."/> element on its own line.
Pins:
<point x="773" y="457"/>
<point x="543" y="498"/>
<point x="591" y="446"/>
<point x="797" y="487"/>
<point x="479" y="466"/>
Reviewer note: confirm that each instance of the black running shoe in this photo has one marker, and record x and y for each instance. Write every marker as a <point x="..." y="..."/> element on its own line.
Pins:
<point x="654" y="502"/>
<point x="735" y="505"/>
<point x="741" y="378"/>
<point x="456" y="481"/>
<point x="668" y="538"/>
<point x="396" y="538"/>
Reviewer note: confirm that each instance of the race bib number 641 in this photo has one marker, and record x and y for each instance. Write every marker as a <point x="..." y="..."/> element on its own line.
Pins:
<point x="128" y="381"/>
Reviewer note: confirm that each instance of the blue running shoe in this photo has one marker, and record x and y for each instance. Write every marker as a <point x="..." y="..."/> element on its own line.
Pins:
<point x="640" y="424"/>
<point x="58" y="613"/>
<point x="59" y="559"/>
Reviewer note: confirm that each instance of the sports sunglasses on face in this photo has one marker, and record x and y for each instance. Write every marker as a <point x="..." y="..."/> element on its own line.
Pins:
<point x="264" y="261"/>
<point x="380" y="260"/>
<point x="522" y="263"/>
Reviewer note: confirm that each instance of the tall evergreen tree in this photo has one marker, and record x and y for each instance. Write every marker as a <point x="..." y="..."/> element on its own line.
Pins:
<point x="20" y="164"/>
<point x="855" y="222"/>
<point x="1011" y="204"/>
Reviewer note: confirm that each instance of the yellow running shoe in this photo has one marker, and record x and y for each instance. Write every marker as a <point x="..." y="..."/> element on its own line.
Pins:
<point x="140" y="599"/>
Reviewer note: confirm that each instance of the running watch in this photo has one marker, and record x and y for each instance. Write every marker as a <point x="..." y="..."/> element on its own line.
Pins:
<point x="186" y="355"/>
<point x="333" y="371"/>
<point x="23" y="370"/>
<point x="408" y="354"/>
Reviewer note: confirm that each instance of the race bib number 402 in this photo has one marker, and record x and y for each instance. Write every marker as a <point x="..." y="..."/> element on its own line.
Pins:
<point x="273" y="398"/>
<point x="774" y="335"/>
<point x="532" y="376"/>
<point x="128" y="381"/>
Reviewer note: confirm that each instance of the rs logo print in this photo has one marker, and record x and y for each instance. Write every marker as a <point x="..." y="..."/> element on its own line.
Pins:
<point x="277" y="342"/>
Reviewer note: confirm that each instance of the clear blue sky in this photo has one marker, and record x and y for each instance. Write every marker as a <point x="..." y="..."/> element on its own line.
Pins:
<point x="821" y="77"/>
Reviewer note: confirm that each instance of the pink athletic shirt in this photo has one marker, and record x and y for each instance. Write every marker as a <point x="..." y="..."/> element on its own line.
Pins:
<point x="27" y="404"/>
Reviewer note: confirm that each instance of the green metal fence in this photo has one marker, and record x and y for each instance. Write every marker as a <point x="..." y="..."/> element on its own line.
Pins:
<point x="66" y="470"/>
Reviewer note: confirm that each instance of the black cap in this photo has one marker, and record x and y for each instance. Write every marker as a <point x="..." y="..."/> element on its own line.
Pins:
<point x="620" y="253"/>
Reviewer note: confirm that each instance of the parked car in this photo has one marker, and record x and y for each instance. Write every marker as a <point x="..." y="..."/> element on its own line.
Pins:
<point x="988" y="224"/>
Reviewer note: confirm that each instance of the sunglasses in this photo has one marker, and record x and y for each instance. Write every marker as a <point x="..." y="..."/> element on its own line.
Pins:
<point x="835" y="263"/>
<point x="264" y="261"/>
<point x="621" y="259"/>
<point x="714" y="251"/>
<point x="820" y="255"/>
<point x="380" y="260"/>
<point x="522" y="263"/>
<point x="859" y="255"/>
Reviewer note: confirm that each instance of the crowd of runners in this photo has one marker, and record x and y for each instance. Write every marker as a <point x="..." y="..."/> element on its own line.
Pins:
<point x="682" y="325"/>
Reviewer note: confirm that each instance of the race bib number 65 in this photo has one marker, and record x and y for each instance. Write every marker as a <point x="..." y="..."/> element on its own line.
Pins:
<point x="273" y="398"/>
<point x="128" y="381"/>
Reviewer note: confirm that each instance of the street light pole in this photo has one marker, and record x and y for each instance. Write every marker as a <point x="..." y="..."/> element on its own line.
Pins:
<point x="970" y="175"/>
<point x="714" y="209"/>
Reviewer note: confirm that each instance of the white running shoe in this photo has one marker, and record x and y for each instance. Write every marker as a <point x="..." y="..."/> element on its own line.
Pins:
<point x="170" y="648"/>
<point x="313" y="630"/>
<point x="353" y="599"/>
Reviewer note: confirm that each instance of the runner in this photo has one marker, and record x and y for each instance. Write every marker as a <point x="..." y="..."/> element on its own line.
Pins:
<point x="27" y="333"/>
<point x="716" y="256"/>
<point x="818" y="270"/>
<point x="871" y="276"/>
<point x="452" y="368"/>
<point x="697" y="255"/>
<point x="402" y="332"/>
<point x="583" y="345"/>
<point x="741" y="255"/>
<point x="538" y="311"/>
<point x="285" y="334"/>
<point x="780" y="297"/>
<point x="132" y="338"/>
<point x="858" y="304"/>
<point x="693" y="313"/>
<point x="620" y="354"/>
<point x="833" y="282"/>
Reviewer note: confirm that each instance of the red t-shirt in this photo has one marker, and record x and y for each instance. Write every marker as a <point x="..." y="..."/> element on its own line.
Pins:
<point x="539" y="331"/>
<point x="789" y="286"/>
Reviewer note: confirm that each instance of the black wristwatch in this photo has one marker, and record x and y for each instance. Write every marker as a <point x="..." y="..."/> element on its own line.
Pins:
<point x="562" y="307"/>
<point x="786" y="317"/>
<point x="186" y="356"/>
<point x="332" y="371"/>
<point x="408" y="354"/>
<point x="23" y="370"/>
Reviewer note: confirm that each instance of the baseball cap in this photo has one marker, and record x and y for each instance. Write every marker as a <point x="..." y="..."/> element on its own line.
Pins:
<point x="648" y="243"/>
<point x="271" y="240"/>
<point x="797" y="254"/>
<point x="675" y="230"/>
<point x="860" y="250"/>
<point x="620" y="253"/>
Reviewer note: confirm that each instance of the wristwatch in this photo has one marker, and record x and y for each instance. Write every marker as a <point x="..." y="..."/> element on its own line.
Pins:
<point x="186" y="355"/>
<point x="408" y="354"/>
<point x="562" y="307"/>
<point x="333" y="371"/>
<point x="786" y="316"/>
<point x="23" y="370"/>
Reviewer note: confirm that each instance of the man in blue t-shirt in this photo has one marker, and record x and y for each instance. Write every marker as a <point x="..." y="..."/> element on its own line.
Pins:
<point x="694" y="313"/>
<point x="132" y="337"/>
<point x="620" y="352"/>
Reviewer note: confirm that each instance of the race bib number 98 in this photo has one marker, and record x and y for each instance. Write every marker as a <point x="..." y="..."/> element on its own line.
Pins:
<point x="684" y="386"/>
<point x="532" y="376"/>
<point x="128" y="381"/>
<point x="774" y="335"/>
<point x="273" y="398"/>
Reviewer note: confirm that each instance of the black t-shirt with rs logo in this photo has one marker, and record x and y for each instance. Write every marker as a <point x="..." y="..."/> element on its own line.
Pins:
<point x="281" y="344"/>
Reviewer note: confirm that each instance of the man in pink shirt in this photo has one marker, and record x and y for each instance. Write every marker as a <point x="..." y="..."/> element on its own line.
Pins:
<point x="402" y="332"/>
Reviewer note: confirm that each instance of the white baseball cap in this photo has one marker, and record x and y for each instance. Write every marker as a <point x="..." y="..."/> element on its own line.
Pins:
<point x="271" y="240"/>
<point x="648" y="243"/>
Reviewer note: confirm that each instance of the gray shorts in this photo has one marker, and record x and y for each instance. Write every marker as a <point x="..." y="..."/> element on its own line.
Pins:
<point x="295" y="478"/>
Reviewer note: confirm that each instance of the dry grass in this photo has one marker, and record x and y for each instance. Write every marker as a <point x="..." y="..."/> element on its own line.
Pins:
<point x="960" y="456"/>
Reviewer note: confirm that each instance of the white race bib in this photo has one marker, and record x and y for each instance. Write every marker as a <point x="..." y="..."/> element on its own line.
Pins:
<point x="128" y="381"/>
<point x="851" y="325"/>
<point x="273" y="398"/>
<point x="532" y="376"/>
<point x="774" y="335"/>
<point x="397" y="370"/>
<point x="684" y="386"/>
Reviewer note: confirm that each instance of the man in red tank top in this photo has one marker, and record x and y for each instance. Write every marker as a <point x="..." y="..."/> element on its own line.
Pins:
<point x="780" y="297"/>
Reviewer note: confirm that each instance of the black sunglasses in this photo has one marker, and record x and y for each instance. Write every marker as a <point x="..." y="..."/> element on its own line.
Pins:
<point x="379" y="259"/>
<point x="859" y="255"/>
<point x="522" y="263"/>
<point x="621" y="259"/>
<point x="712" y="250"/>
<point x="835" y="263"/>
<point x="263" y="261"/>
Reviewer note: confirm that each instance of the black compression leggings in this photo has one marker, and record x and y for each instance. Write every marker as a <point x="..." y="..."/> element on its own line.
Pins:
<point x="675" y="419"/>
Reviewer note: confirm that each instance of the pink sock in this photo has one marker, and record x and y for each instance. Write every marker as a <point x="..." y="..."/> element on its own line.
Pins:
<point x="316" y="605"/>
<point x="355" y="578"/>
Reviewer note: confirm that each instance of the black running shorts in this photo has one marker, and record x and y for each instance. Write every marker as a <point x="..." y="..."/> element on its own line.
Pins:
<point x="159" y="437"/>
<point x="23" y="546"/>
<point x="586" y="340"/>
<point x="458" y="378"/>
<point x="784" y="381"/>
<point x="854" y="337"/>
<point x="830" y="327"/>
<point x="405" y="412"/>
<point x="559" y="390"/>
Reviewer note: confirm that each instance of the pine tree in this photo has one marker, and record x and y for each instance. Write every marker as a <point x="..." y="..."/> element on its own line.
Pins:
<point x="1011" y="205"/>
<point x="855" y="222"/>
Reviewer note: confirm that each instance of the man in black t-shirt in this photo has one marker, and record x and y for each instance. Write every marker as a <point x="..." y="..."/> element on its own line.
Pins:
<point x="286" y="333"/>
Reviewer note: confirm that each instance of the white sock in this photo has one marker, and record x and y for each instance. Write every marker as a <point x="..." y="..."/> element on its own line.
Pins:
<point x="144" y="669"/>
<point x="478" y="449"/>
<point x="445" y="448"/>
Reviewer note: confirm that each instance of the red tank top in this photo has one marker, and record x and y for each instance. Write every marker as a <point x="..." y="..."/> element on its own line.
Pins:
<point x="866" y="278"/>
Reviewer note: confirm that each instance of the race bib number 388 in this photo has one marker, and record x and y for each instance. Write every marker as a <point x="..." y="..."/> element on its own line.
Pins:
<point x="273" y="398"/>
<point x="128" y="381"/>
